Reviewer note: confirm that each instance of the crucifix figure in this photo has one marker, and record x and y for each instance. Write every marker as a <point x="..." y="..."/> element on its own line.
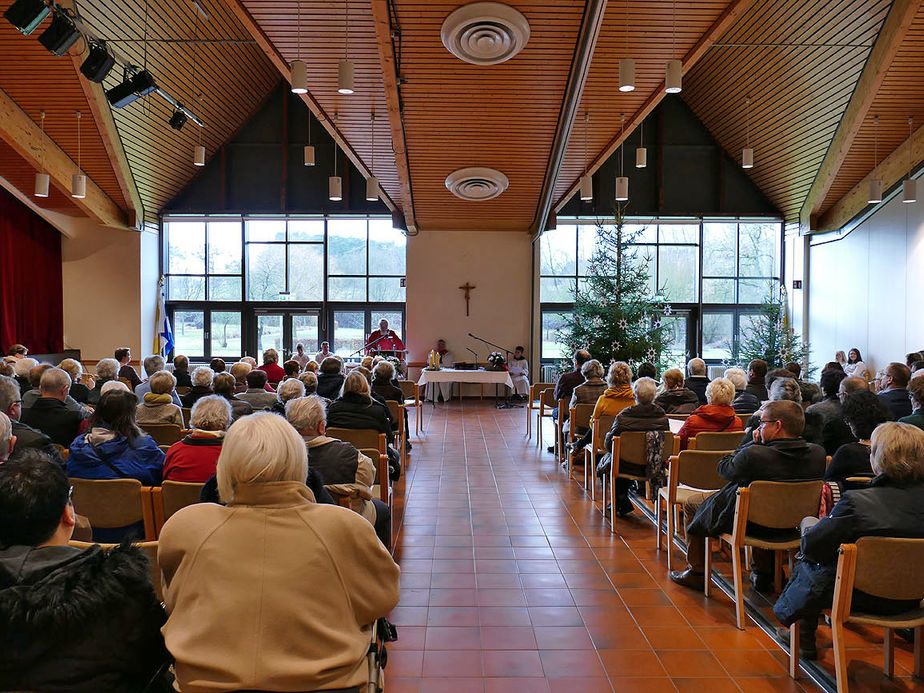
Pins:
<point x="467" y="288"/>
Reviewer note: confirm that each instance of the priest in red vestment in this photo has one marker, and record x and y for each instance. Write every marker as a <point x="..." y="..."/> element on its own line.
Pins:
<point x="391" y="341"/>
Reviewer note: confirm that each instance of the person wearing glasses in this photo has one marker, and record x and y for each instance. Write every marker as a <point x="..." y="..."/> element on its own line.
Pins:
<point x="775" y="451"/>
<point x="72" y="619"/>
<point x="26" y="436"/>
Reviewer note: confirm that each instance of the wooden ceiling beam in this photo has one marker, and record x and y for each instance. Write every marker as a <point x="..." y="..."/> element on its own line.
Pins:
<point x="892" y="170"/>
<point x="891" y="34"/>
<point x="735" y="10"/>
<point x="26" y="138"/>
<point x="279" y="62"/>
<point x="383" y="38"/>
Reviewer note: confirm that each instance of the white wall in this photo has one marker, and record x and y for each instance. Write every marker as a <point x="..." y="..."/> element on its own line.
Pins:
<point x="866" y="287"/>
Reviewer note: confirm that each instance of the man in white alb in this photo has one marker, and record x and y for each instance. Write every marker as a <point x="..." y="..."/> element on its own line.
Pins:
<point x="324" y="353"/>
<point x="444" y="388"/>
<point x="519" y="373"/>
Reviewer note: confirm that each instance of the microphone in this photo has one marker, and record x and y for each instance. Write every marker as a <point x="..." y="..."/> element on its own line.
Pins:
<point x="471" y="335"/>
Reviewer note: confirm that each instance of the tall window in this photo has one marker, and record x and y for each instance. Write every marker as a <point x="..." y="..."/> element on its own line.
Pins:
<point x="239" y="285"/>
<point x="713" y="273"/>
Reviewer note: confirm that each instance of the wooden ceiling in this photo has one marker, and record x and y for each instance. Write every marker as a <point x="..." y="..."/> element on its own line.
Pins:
<point x="798" y="61"/>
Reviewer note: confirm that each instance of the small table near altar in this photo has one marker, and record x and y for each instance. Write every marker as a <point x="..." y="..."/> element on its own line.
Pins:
<point x="478" y="377"/>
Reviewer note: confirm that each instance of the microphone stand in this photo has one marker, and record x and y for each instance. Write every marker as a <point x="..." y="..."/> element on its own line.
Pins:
<point x="366" y="346"/>
<point x="475" y="354"/>
<point x="507" y="403"/>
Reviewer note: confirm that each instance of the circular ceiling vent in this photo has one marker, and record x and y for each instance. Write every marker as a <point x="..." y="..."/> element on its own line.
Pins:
<point x="485" y="33"/>
<point x="476" y="183"/>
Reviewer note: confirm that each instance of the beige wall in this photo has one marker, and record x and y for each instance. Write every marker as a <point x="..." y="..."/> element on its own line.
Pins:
<point x="499" y="265"/>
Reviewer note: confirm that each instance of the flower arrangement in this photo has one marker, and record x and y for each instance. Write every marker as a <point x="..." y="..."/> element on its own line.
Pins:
<point x="396" y="362"/>
<point x="497" y="360"/>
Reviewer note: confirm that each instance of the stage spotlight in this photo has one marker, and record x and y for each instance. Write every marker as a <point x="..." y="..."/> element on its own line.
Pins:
<point x="178" y="119"/>
<point x="61" y="34"/>
<point x="98" y="62"/>
<point x="131" y="89"/>
<point x="26" y="15"/>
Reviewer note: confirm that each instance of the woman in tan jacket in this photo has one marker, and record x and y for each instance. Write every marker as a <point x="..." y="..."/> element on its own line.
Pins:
<point x="272" y="591"/>
<point x="158" y="406"/>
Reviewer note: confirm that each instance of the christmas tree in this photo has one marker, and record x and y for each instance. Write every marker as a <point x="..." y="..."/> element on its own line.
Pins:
<point x="770" y="337"/>
<point x="615" y="317"/>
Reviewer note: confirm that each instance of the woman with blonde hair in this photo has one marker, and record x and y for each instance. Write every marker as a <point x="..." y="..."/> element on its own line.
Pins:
<point x="617" y="396"/>
<point x="235" y="609"/>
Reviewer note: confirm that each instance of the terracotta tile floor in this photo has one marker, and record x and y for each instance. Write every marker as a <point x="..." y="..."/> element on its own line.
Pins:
<point x="512" y="582"/>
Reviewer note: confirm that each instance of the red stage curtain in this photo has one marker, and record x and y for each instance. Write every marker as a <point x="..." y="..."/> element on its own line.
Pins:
<point x="31" y="303"/>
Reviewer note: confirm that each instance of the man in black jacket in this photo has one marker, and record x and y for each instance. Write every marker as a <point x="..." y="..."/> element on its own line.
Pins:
<point x="894" y="389"/>
<point x="564" y="388"/>
<point x="777" y="452"/>
<point x="70" y="619"/>
<point x="50" y="414"/>
<point x="26" y="437"/>
<point x="697" y="379"/>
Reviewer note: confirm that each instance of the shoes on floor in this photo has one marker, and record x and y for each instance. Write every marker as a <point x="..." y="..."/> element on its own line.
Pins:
<point x="688" y="578"/>
<point x="762" y="582"/>
<point x="408" y="446"/>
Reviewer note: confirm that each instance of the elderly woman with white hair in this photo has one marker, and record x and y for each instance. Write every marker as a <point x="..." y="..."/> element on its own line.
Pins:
<point x="290" y="389"/>
<point x="21" y="370"/>
<point x="356" y="409"/>
<point x="158" y="406"/>
<point x="716" y="415"/>
<point x="782" y="386"/>
<point x="744" y="402"/>
<point x="386" y="387"/>
<point x="106" y="371"/>
<point x="74" y="368"/>
<point x="271" y="570"/>
<point x="891" y="506"/>
<point x="201" y="386"/>
<point x="194" y="458"/>
<point x="587" y="392"/>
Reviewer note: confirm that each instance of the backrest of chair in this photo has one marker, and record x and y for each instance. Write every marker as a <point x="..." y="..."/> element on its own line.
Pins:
<point x="179" y="494"/>
<point x="697" y="469"/>
<point x="164" y="448"/>
<point x="718" y="440"/>
<point x="394" y="408"/>
<point x="183" y="389"/>
<point x="148" y="548"/>
<point x="408" y="389"/>
<point x="547" y="398"/>
<point x="108" y="503"/>
<point x="359" y="437"/>
<point x="632" y="447"/>
<point x="601" y="426"/>
<point x="163" y="434"/>
<point x="890" y="568"/>
<point x="782" y="504"/>
<point x="580" y="416"/>
<point x="187" y="412"/>
<point x="536" y="389"/>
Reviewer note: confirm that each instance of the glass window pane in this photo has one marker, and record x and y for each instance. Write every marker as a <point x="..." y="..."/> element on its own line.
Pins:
<point x="346" y="243"/>
<point x="269" y="333"/>
<point x="226" y="334"/>
<point x="265" y="229"/>
<point x="755" y="290"/>
<point x="718" y="290"/>
<point x="186" y="247"/>
<point x="556" y="252"/>
<point x="677" y="272"/>
<point x="646" y="255"/>
<point x="265" y="272"/>
<point x="386" y="290"/>
<point x="678" y="233"/>
<point x="306" y="272"/>
<point x="587" y="241"/>
<point x="677" y="330"/>
<point x="718" y="329"/>
<point x="306" y="230"/>
<point x="188" y="332"/>
<point x="759" y="249"/>
<point x="641" y="233"/>
<point x="305" y="332"/>
<point x="551" y="324"/>
<point x="556" y="289"/>
<point x="719" y="250"/>
<point x="387" y="249"/>
<point x="349" y="331"/>
<point x="746" y="323"/>
<point x="186" y="289"/>
<point x="225" y="288"/>
<point x="224" y="247"/>
<point x="346" y="288"/>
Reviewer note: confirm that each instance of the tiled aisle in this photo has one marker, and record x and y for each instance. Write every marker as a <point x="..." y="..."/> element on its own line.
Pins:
<point x="512" y="582"/>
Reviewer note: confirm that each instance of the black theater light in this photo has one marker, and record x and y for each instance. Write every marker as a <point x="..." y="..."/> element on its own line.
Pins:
<point x="26" y="15"/>
<point x="178" y="119"/>
<point x="98" y="62"/>
<point x="131" y="89"/>
<point x="61" y="34"/>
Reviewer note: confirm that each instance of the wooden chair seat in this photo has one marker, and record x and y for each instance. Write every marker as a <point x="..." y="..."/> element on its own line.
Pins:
<point x="535" y="398"/>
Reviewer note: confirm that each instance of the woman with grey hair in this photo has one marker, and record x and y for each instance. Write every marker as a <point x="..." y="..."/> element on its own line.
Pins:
<point x="587" y="392"/>
<point x="386" y="388"/>
<point x="892" y="506"/>
<point x="716" y="415"/>
<point x="290" y="389"/>
<point x="785" y="388"/>
<point x="74" y="368"/>
<point x="201" y="386"/>
<point x="310" y="381"/>
<point x="21" y="369"/>
<point x="194" y="458"/>
<point x="616" y="397"/>
<point x="158" y="406"/>
<point x="106" y="370"/>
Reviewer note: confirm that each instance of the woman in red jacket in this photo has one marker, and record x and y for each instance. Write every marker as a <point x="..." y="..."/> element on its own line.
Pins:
<point x="716" y="415"/>
<point x="194" y="458"/>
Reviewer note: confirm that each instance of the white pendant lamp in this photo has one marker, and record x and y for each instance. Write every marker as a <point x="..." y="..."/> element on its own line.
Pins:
<point x="372" y="183"/>
<point x="42" y="179"/>
<point x="309" y="148"/>
<point x="874" y="194"/>
<point x="626" y="64"/>
<point x="673" y="71"/>
<point x="909" y="188"/>
<point x="298" y="68"/>
<point x="622" y="182"/>
<point x="335" y="182"/>
<point x="78" y="179"/>
<point x="587" y="186"/>
<point x="199" y="152"/>
<point x="641" y="153"/>
<point x="747" y="154"/>
<point x="345" y="67"/>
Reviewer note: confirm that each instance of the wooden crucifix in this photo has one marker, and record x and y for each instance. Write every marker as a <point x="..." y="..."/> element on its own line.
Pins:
<point x="467" y="288"/>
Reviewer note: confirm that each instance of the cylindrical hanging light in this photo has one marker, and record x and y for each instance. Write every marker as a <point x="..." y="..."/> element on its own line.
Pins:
<point x="673" y="77"/>
<point x="587" y="188"/>
<point x="372" y="189"/>
<point x="909" y="191"/>
<point x="78" y="186"/>
<point x="747" y="154"/>
<point x="199" y="155"/>
<point x="309" y="155"/>
<point x="747" y="158"/>
<point x="345" y="77"/>
<point x="335" y="189"/>
<point x="875" y="191"/>
<point x="641" y="153"/>
<point x="299" y="77"/>
<point x="42" y="182"/>
<point x="627" y="74"/>
<point x="622" y="189"/>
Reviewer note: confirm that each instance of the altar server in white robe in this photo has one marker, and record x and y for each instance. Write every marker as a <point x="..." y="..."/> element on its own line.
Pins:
<point x="519" y="372"/>
<point x="446" y="361"/>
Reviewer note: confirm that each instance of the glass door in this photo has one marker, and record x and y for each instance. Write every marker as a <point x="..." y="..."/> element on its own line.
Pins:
<point x="283" y="330"/>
